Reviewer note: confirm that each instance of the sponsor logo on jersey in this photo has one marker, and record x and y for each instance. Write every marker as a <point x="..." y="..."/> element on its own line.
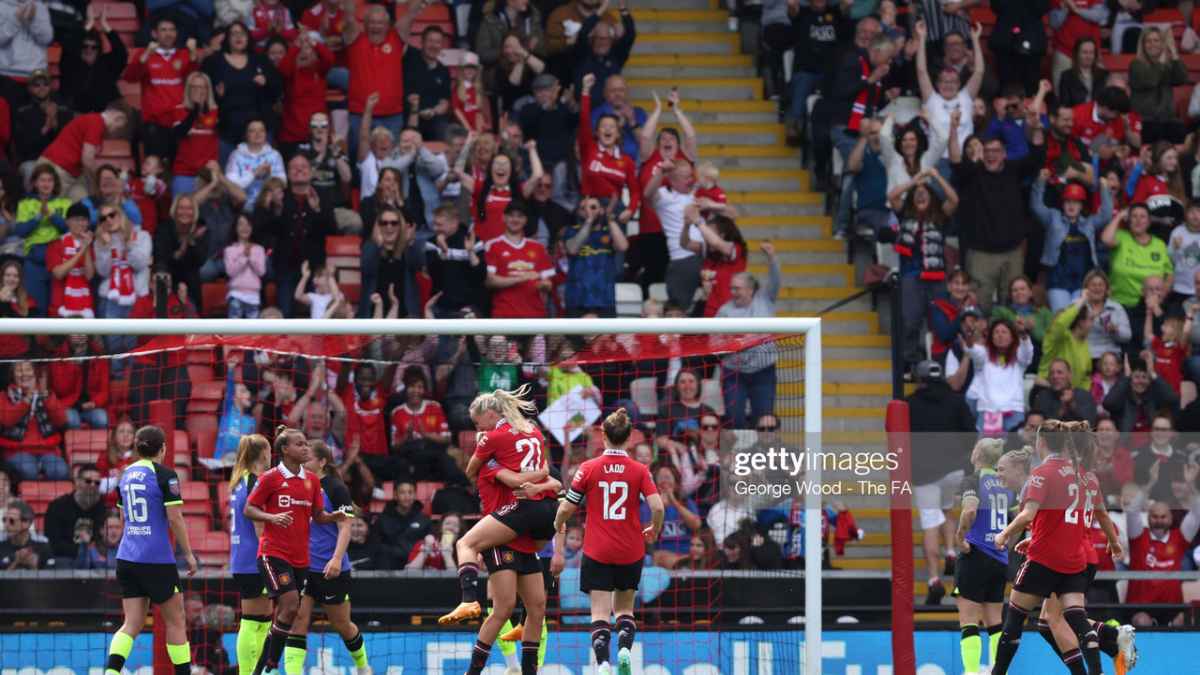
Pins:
<point x="1036" y="481"/>
<point x="288" y="501"/>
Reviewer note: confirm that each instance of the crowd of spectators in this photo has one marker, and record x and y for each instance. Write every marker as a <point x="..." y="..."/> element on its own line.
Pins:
<point x="501" y="169"/>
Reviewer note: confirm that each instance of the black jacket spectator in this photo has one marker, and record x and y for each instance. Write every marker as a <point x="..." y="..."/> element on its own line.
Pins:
<point x="454" y="275"/>
<point x="366" y="551"/>
<point x="63" y="514"/>
<point x="937" y="416"/>
<point x="400" y="531"/>
<point x="1132" y="408"/>
<point x="1157" y="484"/>
<point x="34" y="135"/>
<point x="602" y="64"/>
<point x="1019" y="41"/>
<point x="817" y="36"/>
<point x="553" y="129"/>
<point x="1072" y="91"/>
<point x="846" y="85"/>
<point x="21" y="550"/>
<point x="1050" y="405"/>
<point x="297" y="234"/>
<point x="239" y="98"/>
<point x="987" y="220"/>
<point x="92" y="85"/>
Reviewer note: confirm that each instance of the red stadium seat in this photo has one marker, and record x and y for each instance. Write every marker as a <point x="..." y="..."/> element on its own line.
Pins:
<point x="377" y="505"/>
<point x="200" y="423"/>
<point x="426" y="489"/>
<point x="183" y="453"/>
<point x="212" y="299"/>
<point x="118" y="399"/>
<point x="466" y="442"/>
<point x="223" y="496"/>
<point x="206" y="442"/>
<point x="85" y="445"/>
<point x="1117" y="63"/>
<point x="200" y="373"/>
<point x="388" y="490"/>
<point x="211" y="544"/>
<point x="196" y="500"/>
<point x="39" y="493"/>
<point x="197" y="526"/>
<point x="202" y="356"/>
<point x="344" y="245"/>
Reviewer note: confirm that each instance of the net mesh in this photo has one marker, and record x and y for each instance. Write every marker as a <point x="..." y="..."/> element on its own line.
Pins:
<point x="395" y="408"/>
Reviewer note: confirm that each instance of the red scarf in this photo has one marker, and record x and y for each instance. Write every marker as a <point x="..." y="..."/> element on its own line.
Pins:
<point x="867" y="99"/>
<point x="120" y="280"/>
<point x="77" y="294"/>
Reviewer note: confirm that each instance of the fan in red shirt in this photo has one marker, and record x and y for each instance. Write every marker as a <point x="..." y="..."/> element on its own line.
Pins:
<point x="72" y="266"/>
<point x="82" y="382"/>
<point x="1060" y="502"/>
<point x="284" y="499"/>
<point x="1110" y="115"/>
<point x="73" y="151"/>
<point x="1160" y="548"/>
<point x="303" y="69"/>
<point x="491" y="196"/>
<point x="161" y="68"/>
<point x="614" y="539"/>
<point x="327" y="19"/>
<point x="196" y="133"/>
<point x="374" y="52"/>
<point x="725" y="255"/>
<point x="518" y="270"/>
<point x="366" y="421"/>
<point x="604" y="170"/>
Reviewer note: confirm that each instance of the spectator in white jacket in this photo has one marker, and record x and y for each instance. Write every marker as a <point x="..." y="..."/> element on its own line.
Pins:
<point x="123" y="254"/>
<point x="25" y="34"/>
<point x="253" y="162"/>
<point x="1000" y="364"/>
<point x="245" y="263"/>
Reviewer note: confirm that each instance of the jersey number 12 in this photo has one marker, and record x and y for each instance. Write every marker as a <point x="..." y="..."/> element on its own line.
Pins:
<point x="615" y="494"/>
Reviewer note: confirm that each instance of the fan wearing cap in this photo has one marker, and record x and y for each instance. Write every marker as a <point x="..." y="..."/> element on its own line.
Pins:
<point x="40" y="119"/>
<point x="69" y="259"/>
<point x="1069" y="252"/>
<point x="467" y="95"/>
<point x="518" y="270"/>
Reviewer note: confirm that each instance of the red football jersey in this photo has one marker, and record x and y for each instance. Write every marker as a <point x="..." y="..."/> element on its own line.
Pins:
<point x="494" y="495"/>
<point x="280" y="490"/>
<point x="1061" y="527"/>
<point x="513" y="450"/>
<point x="1147" y="554"/>
<point x="611" y="483"/>
<point x="498" y="198"/>
<point x="1088" y="124"/>
<point x="66" y="150"/>
<point x="506" y="259"/>
<point x="428" y="419"/>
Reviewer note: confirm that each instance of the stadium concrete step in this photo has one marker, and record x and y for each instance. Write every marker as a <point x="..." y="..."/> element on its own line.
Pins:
<point x="702" y="89"/>
<point x="735" y="69"/>
<point x="768" y="134"/>
<point x="798" y="257"/>
<point x="777" y="180"/>
<point x="841" y="371"/>
<point x="688" y="43"/>
<point x="785" y="227"/>
<point x="679" y="4"/>
<point x="835" y="275"/>
<point x="801" y="204"/>
<point x="707" y="27"/>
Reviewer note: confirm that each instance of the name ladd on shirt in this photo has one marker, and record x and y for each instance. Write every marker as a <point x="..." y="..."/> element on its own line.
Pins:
<point x="614" y="468"/>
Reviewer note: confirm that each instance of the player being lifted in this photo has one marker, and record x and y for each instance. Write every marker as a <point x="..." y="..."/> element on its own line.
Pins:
<point x="517" y="445"/>
<point x="1058" y="503"/>
<point x="328" y="570"/>
<point x="614" y="542"/>
<point x="980" y="575"/>
<point x="253" y="459"/>
<point x="285" y="498"/>
<point x="150" y="498"/>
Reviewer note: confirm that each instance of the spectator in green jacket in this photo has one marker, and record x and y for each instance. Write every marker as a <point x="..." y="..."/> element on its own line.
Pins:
<point x="1067" y="340"/>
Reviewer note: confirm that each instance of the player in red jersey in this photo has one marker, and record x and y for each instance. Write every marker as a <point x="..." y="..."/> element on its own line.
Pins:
<point x="515" y="444"/>
<point x="614" y="542"/>
<point x="1059" y="504"/>
<point x="284" y="498"/>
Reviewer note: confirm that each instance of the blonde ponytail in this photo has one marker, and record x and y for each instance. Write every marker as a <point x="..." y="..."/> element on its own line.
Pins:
<point x="249" y="450"/>
<point x="990" y="449"/>
<point x="513" y="406"/>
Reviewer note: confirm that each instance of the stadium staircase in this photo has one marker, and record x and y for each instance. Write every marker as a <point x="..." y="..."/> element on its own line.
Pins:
<point x="687" y="43"/>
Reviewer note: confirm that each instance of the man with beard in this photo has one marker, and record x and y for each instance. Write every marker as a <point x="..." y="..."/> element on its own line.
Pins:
<point x="1067" y="158"/>
<point x="40" y="120"/>
<point x="65" y="513"/>
<point x="1062" y="401"/>
<point x="1160" y="548"/>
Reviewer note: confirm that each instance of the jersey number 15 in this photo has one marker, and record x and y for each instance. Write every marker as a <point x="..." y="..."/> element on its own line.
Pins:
<point x="136" y="509"/>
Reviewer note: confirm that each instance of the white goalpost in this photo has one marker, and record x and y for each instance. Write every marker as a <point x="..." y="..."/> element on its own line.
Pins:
<point x="810" y="328"/>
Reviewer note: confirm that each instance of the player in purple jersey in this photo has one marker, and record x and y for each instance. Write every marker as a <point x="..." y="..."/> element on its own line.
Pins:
<point x="253" y="459"/>
<point x="150" y="498"/>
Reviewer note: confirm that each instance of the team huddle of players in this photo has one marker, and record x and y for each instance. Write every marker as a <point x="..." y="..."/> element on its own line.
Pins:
<point x="1053" y="568"/>
<point x="290" y="532"/>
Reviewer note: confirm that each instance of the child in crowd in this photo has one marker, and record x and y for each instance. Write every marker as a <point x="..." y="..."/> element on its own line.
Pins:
<point x="709" y="196"/>
<point x="468" y="92"/>
<point x="246" y="264"/>
<point x="149" y="192"/>
<point x="1172" y="348"/>
<point x="271" y="19"/>
<point x="237" y="413"/>
<point x="320" y="300"/>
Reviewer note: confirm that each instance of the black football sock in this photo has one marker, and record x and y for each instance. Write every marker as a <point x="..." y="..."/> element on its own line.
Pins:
<point x="529" y="658"/>
<point x="479" y="657"/>
<point x="601" y="638"/>
<point x="1089" y="641"/>
<point x="1074" y="661"/>
<point x="626" y="630"/>
<point x="1108" y="638"/>
<point x="468" y="575"/>
<point x="1010" y="639"/>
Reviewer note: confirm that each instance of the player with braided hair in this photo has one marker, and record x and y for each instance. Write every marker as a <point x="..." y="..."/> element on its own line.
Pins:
<point x="1058" y="502"/>
<point x="286" y="499"/>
